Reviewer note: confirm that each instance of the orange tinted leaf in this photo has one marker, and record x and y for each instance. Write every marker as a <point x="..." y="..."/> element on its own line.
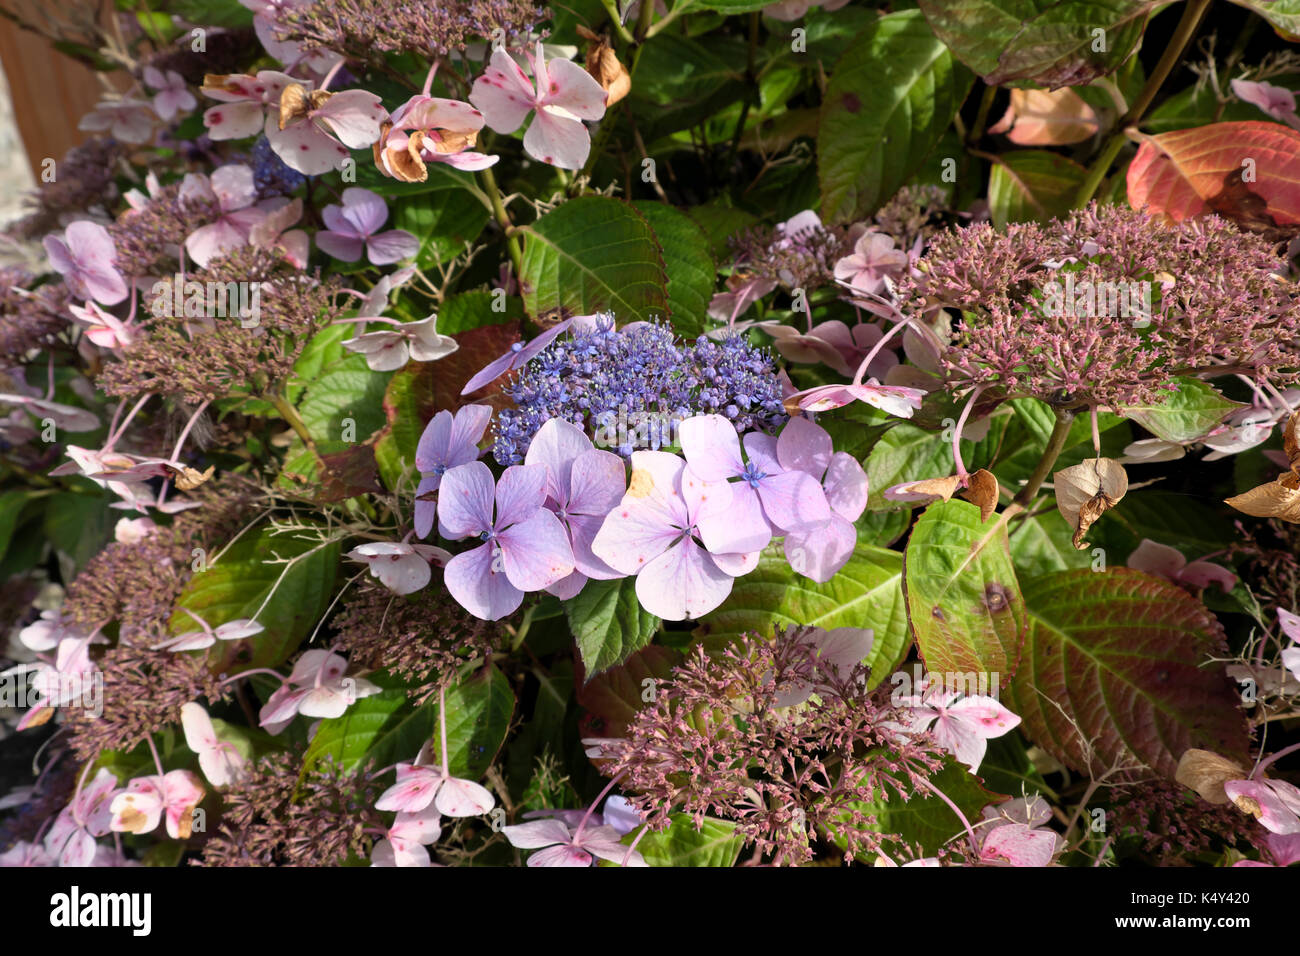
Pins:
<point x="1248" y="172"/>
<point x="1047" y="118"/>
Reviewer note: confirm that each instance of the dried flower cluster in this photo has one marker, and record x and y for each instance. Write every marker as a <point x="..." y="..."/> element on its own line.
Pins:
<point x="716" y="741"/>
<point x="365" y="29"/>
<point x="280" y="816"/>
<point x="195" y="363"/>
<point x="422" y="637"/>
<point x="1222" y="310"/>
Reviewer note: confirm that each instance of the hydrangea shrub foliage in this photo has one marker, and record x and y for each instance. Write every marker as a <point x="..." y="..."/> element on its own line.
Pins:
<point x="689" y="433"/>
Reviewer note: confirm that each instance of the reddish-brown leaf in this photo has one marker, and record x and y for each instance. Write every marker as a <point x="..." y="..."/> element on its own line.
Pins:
<point x="478" y="347"/>
<point x="1115" y="672"/>
<point x="1248" y="172"/>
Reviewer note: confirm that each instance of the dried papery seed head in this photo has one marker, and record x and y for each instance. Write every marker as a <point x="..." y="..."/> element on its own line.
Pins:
<point x="189" y="478"/>
<point x="926" y="489"/>
<point x="1086" y="491"/>
<point x="1206" y="772"/>
<point x="296" y="103"/>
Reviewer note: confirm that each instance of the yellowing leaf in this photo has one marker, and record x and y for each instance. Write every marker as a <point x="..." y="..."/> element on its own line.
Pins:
<point x="1047" y="118"/>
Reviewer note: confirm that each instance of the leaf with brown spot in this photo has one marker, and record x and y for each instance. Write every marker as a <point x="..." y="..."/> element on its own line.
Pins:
<point x="1206" y="772"/>
<point x="1116" y="672"/>
<point x="963" y="600"/>
<point x="1086" y="491"/>
<point x="1191" y="172"/>
<point x="983" y="493"/>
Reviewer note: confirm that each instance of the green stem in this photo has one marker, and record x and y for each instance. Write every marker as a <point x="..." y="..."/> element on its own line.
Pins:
<point x="982" y="117"/>
<point x="290" y="415"/>
<point x="647" y="12"/>
<point x="503" y="220"/>
<point x="1183" y="34"/>
<point x="616" y="21"/>
<point x="1055" y="445"/>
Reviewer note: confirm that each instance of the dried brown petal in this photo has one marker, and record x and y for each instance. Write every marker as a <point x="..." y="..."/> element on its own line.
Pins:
<point x="1291" y="441"/>
<point x="983" y="491"/>
<point x="187" y="479"/>
<point x="605" y="68"/>
<point x="1277" y="499"/>
<point x="943" y="488"/>
<point x="1206" y="772"/>
<point x="296" y="103"/>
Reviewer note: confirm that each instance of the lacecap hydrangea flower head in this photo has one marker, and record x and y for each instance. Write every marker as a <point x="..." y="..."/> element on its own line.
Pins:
<point x="631" y="387"/>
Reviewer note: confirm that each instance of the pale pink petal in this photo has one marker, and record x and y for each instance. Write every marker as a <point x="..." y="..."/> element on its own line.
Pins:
<point x="683" y="582"/>
<point x="536" y="834"/>
<point x="573" y="89"/>
<point x="503" y="94"/>
<point x="354" y="116"/>
<point x="341" y="247"/>
<point x="821" y="553"/>
<point x="846" y="486"/>
<point x="557" y="140"/>
<point x="563" y="855"/>
<point x="392" y="246"/>
<point x="742" y="527"/>
<point x="484" y="592"/>
<point x="712" y="447"/>
<point x="413" y="791"/>
<point x="465" y="500"/>
<point x="520" y="493"/>
<point x="463" y="798"/>
<point x="805" y="447"/>
<point x="1157" y="559"/>
<point x="536" y="552"/>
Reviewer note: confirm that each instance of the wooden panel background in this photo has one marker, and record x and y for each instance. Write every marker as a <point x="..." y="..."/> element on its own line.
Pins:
<point x="51" y="92"/>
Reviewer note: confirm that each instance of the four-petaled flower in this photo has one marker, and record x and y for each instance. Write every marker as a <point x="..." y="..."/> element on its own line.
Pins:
<point x="820" y="552"/>
<point x="654" y="533"/>
<point x="560" y="846"/>
<point x="402" y="568"/>
<point x="583" y="485"/>
<point x="767" y="495"/>
<point x="172" y="94"/>
<point x="145" y="801"/>
<point x="429" y="129"/>
<point x="72" y="836"/>
<point x="447" y="441"/>
<point x="353" y="229"/>
<point x="419" y="787"/>
<point x="563" y="95"/>
<point x="85" y="257"/>
<point x="963" y="724"/>
<point x="524" y="547"/>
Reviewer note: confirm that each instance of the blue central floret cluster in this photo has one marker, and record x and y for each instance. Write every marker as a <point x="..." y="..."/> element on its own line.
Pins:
<point x="612" y="382"/>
